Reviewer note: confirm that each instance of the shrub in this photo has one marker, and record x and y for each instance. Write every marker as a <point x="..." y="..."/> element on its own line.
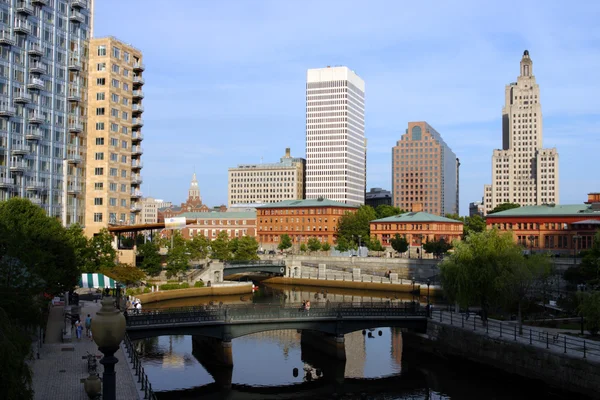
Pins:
<point x="172" y="286"/>
<point x="199" y="284"/>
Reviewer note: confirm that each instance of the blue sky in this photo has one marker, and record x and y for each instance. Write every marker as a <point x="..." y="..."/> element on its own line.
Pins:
<point x="225" y="81"/>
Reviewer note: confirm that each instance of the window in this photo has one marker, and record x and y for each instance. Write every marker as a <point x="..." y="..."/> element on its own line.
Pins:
<point x="114" y="142"/>
<point x="113" y="202"/>
<point x="124" y="159"/>
<point x="114" y="112"/>
<point x="113" y="187"/>
<point x="100" y="141"/>
<point x="124" y="144"/>
<point x="102" y="50"/>
<point x="125" y="101"/>
<point x="114" y="97"/>
<point x="125" y="72"/>
<point x="125" y="115"/>
<point x="100" y="96"/>
<point x="115" y="68"/>
<point x="123" y="187"/>
<point x="100" y="111"/>
<point x="101" y="66"/>
<point x="116" y="52"/>
<point x="100" y="126"/>
<point x="113" y="172"/>
<point x="123" y="173"/>
<point x="100" y="81"/>
<point x="416" y="133"/>
<point x="114" y="156"/>
<point x="124" y="130"/>
<point x="126" y="87"/>
<point x="99" y="156"/>
<point x="126" y="56"/>
<point x="114" y="127"/>
<point x="98" y="201"/>
<point x="98" y="186"/>
<point x="97" y="217"/>
<point x="98" y="171"/>
<point x="115" y="83"/>
<point x="123" y="202"/>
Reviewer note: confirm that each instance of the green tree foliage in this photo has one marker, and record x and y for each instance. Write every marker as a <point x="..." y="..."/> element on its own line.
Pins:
<point x="504" y="207"/>
<point x="474" y="224"/>
<point x="314" y="244"/>
<point x="198" y="247"/>
<point x="399" y="243"/>
<point x="438" y="247"/>
<point x="220" y="249"/>
<point x="102" y="253"/>
<point x="247" y="246"/>
<point x="15" y="344"/>
<point x="125" y="274"/>
<point x="285" y="242"/>
<point x="351" y="226"/>
<point x="325" y="246"/>
<point x="80" y="244"/>
<point x="342" y="244"/>
<point x="455" y="217"/>
<point x="375" y="245"/>
<point x="233" y="246"/>
<point x="178" y="258"/>
<point x="303" y="247"/>
<point x="384" y="211"/>
<point x="589" y="308"/>
<point x="588" y="271"/>
<point x="151" y="262"/>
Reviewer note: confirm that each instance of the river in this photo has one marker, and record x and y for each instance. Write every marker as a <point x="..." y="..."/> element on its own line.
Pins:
<point x="276" y="365"/>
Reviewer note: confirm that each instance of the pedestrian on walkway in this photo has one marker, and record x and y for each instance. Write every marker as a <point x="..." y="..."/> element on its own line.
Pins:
<point x="78" y="329"/>
<point x="88" y="326"/>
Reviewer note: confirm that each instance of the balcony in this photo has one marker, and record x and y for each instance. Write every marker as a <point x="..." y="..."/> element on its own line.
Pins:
<point x="7" y="38"/>
<point x="136" y="151"/>
<point x="137" y="137"/>
<point x="138" y="80"/>
<point x="6" y="181"/>
<point x="22" y="97"/>
<point x="40" y="2"/>
<point x="35" y="49"/>
<point x="74" y="189"/>
<point x="76" y="16"/>
<point x="6" y="110"/>
<point x="36" y="118"/>
<point x="18" y="166"/>
<point x="19" y="149"/>
<point x="24" y="7"/>
<point x="75" y="126"/>
<point x="138" y="66"/>
<point x="22" y="26"/>
<point x="74" y="64"/>
<point x="136" y="180"/>
<point x="138" y="94"/>
<point x="137" y="165"/>
<point x="35" y="186"/>
<point x="74" y="95"/>
<point x="135" y="208"/>
<point x="136" y="194"/>
<point x="37" y="67"/>
<point x="35" y="200"/>
<point x="74" y="158"/>
<point x="137" y="109"/>
<point x="137" y="122"/>
<point x="79" y="3"/>
<point x="34" y="134"/>
<point x="35" y="83"/>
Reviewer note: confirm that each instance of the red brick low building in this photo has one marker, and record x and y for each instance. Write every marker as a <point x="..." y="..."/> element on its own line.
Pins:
<point x="209" y="224"/>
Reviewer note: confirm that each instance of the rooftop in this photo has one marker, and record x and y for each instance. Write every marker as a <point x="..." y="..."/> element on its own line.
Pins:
<point x="416" y="217"/>
<point x="550" y="210"/>
<point x="219" y="215"/>
<point x="307" y="203"/>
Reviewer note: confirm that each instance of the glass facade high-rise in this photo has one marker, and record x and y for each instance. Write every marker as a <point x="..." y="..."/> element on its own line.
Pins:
<point x="335" y="135"/>
<point x="43" y="69"/>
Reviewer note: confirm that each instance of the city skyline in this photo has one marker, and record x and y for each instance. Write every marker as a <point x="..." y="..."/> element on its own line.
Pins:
<point x="245" y="84"/>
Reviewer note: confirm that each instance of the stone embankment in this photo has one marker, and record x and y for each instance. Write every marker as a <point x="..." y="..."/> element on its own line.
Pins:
<point x="217" y="289"/>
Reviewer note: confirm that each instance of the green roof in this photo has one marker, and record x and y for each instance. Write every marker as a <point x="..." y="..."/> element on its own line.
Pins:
<point x="219" y="215"/>
<point x="416" y="217"/>
<point x="567" y="210"/>
<point x="307" y="203"/>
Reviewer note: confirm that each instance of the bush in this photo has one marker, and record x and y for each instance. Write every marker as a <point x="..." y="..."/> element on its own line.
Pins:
<point x="147" y="290"/>
<point x="199" y="284"/>
<point x="173" y="286"/>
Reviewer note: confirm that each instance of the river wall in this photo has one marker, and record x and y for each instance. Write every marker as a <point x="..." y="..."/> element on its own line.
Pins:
<point x="562" y="371"/>
<point x="215" y="290"/>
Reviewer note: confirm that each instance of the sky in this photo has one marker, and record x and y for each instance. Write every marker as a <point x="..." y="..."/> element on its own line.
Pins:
<point x="225" y="81"/>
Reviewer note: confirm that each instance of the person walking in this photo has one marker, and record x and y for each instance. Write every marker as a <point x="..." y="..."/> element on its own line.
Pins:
<point x="78" y="329"/>
<point x="88" y="326"/>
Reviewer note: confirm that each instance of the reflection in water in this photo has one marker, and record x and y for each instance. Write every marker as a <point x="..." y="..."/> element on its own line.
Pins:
<point x="279" y="365"/>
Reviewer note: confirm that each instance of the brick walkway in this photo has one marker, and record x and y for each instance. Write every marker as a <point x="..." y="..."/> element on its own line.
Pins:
<point x="58" y="372"/>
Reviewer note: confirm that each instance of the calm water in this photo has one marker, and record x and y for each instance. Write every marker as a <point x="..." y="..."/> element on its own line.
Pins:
<point x="276" y="365"/>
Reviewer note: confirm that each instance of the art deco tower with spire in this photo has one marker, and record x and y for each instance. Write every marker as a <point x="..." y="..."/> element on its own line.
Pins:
<point x="194" y="192"/>
<point x="523" y="172"/>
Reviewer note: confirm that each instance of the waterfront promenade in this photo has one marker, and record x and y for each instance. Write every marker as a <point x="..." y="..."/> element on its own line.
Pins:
<point x="58" y="372"/>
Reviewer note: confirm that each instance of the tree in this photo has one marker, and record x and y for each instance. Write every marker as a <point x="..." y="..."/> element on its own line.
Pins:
<point x="375" y="245"/>
<point x="589" y="309"/>
<point x="504" y="207"/>
<point x="474" y="224"/>
<point x="81" y="245"/>
<point x="103" y="254"/>
<point x="437" y="247"/>
<point x="475" y="273"/>
<point x="384" y="211"/>
<point x="15" y="345"/>
<point x="198" y="247"/>
<point x="246" y="249"/>
<point x="342" y="245"/>
<point x="355" y="227"/>
<point x="325" y="246"/>
<point x="303" y="247"/>
<point x="285" y="242"/>
<point x="151" y="260"/>
<point x="220" y="247"/>
<point x="314" y="244"/>
<point x="588" y="271"/>
<point x="178" y="258"/>
<point x="455" y="217"/>
<point x="233" y="246"/>
<point x="125" y="274"/>
<point x="399" y="243"/>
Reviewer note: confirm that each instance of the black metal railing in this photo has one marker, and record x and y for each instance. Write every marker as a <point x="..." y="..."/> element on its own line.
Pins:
<point x="139" y="370"/>
<point x="240" y="263"/>
<point x="509" y="331"/>
<point x="269" y="312"/>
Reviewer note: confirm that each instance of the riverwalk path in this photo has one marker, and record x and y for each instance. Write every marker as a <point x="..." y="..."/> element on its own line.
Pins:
<point x="58" y="371"/>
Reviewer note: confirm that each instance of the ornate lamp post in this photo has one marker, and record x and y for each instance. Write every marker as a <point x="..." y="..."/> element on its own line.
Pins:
<point x="109" y="329"/>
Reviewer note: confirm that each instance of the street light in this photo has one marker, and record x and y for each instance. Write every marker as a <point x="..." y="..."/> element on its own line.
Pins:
<point x="428" y="304"/>
<point x="531" y="240"/>
<point x="109" y="329"/>
<point x="575" y="239"/>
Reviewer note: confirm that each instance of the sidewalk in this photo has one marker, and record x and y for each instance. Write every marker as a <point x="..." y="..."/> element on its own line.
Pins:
<point x="58" y="372"/>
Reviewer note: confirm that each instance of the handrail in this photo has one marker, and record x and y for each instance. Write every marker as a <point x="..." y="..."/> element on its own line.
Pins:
<point x="139" y="370"/>
<point x="276" y="263"/>
<point x="510" y="331"/>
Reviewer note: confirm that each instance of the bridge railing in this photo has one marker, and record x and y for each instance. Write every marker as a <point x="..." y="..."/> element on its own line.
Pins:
<point x="257" y="312"/>
<point x="139" y="369"/>
<point x="236" y="263"/>
<point x="567" y="344"/>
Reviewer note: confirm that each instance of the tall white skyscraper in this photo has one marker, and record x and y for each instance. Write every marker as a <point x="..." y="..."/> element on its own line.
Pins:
<point x="335" y="135"/>
<point x="522" y="172"/>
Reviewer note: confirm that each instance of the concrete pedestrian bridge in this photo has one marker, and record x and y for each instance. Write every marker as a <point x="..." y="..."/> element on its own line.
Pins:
<point x="275" y="267"/>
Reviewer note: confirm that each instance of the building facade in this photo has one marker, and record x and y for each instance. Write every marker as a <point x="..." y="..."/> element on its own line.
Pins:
<point x="43" y="48"/>
<point x="115" y="110"/>
<point x="424" y="171"/>
<point x="211" y="223"/>
<point x="556" y="229"/>
<point x="335" y="135"/>
<point x="417" y="228"/>
<point x="377" y="197"/>
<point x="301" y="220"/>
<point x="267" y="183"/>
<point x="523" y="172"/>
<point x="193" y="204"/>
<point x="149" y="214"/>
<point x="476" y="208"/>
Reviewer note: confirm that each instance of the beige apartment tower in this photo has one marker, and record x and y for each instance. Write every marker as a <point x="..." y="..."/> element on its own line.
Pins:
<point x="424" y="172"/>
<point x="522" y="171"/>
<point x="267" y="183"/>
<point x="114" y="151"/>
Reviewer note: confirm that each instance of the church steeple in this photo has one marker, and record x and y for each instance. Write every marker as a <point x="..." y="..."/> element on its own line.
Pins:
<point x="526" y="64"/>
<point x="194" y="191"/>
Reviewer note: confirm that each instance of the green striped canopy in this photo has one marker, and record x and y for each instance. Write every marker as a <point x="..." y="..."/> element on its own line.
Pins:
<point x="97" y="281"/>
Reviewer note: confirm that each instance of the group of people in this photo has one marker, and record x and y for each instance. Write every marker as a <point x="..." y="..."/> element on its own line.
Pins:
<point x="88" y="328"/>
<point x="305" y="305"/>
